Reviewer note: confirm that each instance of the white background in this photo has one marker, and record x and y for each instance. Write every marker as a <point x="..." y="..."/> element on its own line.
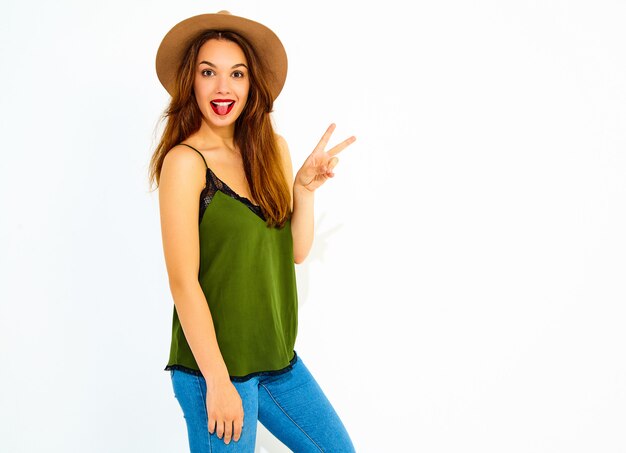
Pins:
<point x="465" y="290"/>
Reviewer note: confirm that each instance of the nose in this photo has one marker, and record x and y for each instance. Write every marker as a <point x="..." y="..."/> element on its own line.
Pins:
<point x="223" y="84"/>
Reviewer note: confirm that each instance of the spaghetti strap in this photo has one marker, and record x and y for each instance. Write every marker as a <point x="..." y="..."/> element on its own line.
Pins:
<point x="197" y="152"/>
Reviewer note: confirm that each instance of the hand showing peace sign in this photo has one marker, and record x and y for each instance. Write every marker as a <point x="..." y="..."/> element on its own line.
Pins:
<point x="318" y="167"/>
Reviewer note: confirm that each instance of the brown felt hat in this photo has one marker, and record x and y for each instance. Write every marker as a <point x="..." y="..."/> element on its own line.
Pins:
<point x="265" y="42"/>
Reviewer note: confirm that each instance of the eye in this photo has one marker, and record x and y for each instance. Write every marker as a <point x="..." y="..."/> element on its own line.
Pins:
<point x="241" y="74"/>
<point x="205" y="70"/>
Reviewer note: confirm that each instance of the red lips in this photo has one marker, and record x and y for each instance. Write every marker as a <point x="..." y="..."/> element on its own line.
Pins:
<point x="222" y="108"/>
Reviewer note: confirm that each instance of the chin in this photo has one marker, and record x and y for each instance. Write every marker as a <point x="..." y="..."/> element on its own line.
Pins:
<point x="213" y="122"/>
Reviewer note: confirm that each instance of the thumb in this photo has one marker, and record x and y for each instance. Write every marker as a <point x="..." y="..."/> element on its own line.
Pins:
<point x="333" y="163"/>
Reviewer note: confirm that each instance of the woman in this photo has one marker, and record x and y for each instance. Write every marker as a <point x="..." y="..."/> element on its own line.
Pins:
<point x="230" y="263"/>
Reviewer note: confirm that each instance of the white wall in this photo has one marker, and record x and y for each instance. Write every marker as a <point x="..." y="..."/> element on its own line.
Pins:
<point x="465" y="291"/>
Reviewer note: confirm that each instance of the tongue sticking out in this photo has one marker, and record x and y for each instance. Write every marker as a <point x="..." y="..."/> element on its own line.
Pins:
<point x="222" y="108"/>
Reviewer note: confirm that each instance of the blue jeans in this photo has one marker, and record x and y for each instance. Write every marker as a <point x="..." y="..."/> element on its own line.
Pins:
<point x="292" y="406"/>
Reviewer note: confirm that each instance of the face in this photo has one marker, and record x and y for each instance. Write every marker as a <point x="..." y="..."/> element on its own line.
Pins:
<point x="221" y="82"/>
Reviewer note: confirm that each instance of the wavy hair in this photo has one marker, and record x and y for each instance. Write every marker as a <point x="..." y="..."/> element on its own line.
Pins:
<point x="254" y="133"/>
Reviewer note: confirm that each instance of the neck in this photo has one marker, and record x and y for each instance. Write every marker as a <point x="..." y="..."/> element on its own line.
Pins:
<point x="210" y="135"/>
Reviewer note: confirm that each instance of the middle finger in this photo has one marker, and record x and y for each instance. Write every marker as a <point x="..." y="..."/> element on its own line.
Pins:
<point x="228" y="431"/>
<point x="341" y="146"/>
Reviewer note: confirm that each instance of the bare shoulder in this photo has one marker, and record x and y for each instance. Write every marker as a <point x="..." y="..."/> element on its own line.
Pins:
<point x="183" y="165"/>
<point x="282" y="144"/>
<point x="181" y="155"/>
<point x="180" y="184"/>
<point x="284" y="150"/>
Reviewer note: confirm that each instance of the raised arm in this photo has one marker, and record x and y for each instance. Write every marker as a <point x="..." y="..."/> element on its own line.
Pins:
<point x="315" y="170"/>
<point x="302" y="228"/>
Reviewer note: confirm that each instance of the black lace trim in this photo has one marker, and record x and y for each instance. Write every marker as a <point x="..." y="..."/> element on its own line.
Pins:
<point x="213" y="184"/>
<point x="238" y="378"/>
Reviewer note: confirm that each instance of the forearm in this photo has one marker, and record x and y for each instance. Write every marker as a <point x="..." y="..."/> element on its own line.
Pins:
<point x="197" y="323"/>
<point x="302" y="222"/>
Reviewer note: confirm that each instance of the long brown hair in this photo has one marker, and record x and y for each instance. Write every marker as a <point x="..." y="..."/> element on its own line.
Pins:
<point x="254" y="133"/>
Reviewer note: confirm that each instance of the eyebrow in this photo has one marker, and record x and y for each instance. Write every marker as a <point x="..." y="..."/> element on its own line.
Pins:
<point x="211" y="64"/>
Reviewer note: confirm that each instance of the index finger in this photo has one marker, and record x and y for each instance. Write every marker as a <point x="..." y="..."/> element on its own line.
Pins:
<point x="324" y="140"/>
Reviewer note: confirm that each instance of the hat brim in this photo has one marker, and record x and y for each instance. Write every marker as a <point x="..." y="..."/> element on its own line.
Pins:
<point x="265" y="42"/>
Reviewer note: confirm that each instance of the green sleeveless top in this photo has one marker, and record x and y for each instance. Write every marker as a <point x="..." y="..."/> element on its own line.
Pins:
<point x="247" y="274"/>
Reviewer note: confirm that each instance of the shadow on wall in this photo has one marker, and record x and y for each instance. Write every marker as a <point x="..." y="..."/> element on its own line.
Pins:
<point x="266" y="442"/>
<point x="320" y="245"/>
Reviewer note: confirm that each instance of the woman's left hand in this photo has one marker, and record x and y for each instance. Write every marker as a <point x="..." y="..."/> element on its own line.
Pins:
<point x="318" y="167"/>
